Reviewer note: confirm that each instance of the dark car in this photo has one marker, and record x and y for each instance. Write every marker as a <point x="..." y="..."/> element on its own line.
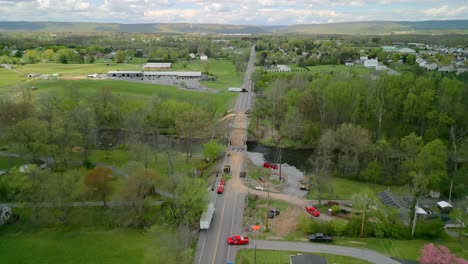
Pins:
<point x="319" y="237"/>
<point x="331" y="203"/>
<point x="273" y="213"/>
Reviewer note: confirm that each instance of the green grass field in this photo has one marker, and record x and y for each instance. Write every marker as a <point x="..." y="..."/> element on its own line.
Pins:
<point x="8" y="77"/>
<point x="282" y="257"/>
<point x="50" y="246"/>
<point x="407" y="249"/>
<point x="76" y="69"/>
<point x="224" y="70"/>
<point x="344" y="189"/>
<point x="356" y="69"/>
<point x="135" y="90"/>
<point x="9" y="162"/>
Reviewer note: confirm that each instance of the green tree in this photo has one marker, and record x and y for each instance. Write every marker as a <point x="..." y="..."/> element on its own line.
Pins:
<point x="410" y="147"/>
<point x="98" y="181"/>
<point x="120" y="56"/>
<point x="31" y="136"/>
<point x="431" y="162"/>
<point x="212" y="149"/>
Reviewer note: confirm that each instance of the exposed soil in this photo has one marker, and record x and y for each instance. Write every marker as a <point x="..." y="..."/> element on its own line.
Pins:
<point x="286" y="222"/>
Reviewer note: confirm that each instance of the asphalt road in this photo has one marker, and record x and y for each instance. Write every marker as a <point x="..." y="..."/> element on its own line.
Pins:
<point x="368" y="255"/>
<point x="212" y="246"/>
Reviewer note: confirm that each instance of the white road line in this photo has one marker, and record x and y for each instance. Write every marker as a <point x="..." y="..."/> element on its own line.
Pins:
<point x="232" y="222"/>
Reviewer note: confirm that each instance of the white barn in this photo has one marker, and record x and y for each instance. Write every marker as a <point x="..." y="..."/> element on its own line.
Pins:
<point x="157" y="65"/>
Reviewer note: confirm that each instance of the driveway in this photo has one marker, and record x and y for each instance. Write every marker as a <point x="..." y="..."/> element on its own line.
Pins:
<point x="364" y="254"/>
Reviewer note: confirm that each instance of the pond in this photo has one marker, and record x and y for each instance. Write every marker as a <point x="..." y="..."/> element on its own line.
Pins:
<point x="294" y="157"/>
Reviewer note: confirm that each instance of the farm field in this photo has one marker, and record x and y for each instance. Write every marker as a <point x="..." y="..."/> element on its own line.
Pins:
<point x="8" y="77"/>
<point x="51" y="246"/>
<point x="356" y="69"/>
<point x="136" y="90"/>
<point x="344" y="189"/>
<point x="224" y="70"/>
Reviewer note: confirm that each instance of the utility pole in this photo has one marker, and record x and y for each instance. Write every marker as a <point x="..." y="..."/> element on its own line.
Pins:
<point x="363" y="217"/>
<point x="255" y="254"/>
<point x="268" y="203"/>
<point x="414" y="219"/>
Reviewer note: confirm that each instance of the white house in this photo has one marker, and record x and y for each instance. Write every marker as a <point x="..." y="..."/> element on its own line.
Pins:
<point x="192" y="56"/>
<point x="283" y="68"/>
<point x="389" y="48"/>
<point x="449" y="68"/>
<point x="203" y="58"/>
<point x="371" y="63"/>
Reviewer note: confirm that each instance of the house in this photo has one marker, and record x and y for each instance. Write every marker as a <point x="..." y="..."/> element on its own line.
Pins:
<point x="389" y="49"/>
<point x="448" y="68"/>
<point x="349" y="63"/>
<point x="157" y="65"/>
<point x="192" y="56"/>
<point x="307" y="259"/>
<point x="203" y="58"/>
<point x="362" y="59"/>
<point x="406" y="51"/>
<point x="283" y="68"/>
<point x="462" y="69"/>
<point x="444" y="206"/>
<point x="371" y="63"/>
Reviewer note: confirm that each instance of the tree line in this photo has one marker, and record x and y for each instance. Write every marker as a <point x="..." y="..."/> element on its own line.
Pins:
<point x="388" y="130"/>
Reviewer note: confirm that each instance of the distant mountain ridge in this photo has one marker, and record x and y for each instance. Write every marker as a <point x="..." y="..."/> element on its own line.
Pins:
<point x="364" y="27"/>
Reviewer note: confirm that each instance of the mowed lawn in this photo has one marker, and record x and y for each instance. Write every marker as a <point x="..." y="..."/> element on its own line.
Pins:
<point x="88" y="88"/>
<point x="8" y="77"/>
<point x="406" y="249"/>
<point x="282" y="257"/>
<point x="64" y="247"/>
<point x="8" y="162"/>
<point x="344" y="189"/>
<point x="356" y="69"/>
<point x="224" y="70"/>
<point x="76" y="69"/>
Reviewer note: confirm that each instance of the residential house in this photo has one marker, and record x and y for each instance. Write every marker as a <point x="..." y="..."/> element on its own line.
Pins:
<point x="192" y="56"/>
<point x="447" y="68"/>
<point x="371" y="63"/>
<point x="462" y="69"/>
<point x="406" y="51"/>
<point x="203" y="58"/>
<point x="389" y="49"/>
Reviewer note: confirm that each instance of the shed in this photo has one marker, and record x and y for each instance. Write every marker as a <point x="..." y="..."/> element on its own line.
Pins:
<point x="371" y="63"/>
<point x="307" y="259"/>
<point x="203" y="58"/>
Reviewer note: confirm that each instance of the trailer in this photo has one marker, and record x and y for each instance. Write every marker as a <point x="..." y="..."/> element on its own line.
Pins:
<point x="235" y="89"/>
<point x="206" y="217"/>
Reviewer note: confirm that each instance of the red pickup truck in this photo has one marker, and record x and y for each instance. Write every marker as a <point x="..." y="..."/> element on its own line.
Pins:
<point x="269" y="165"/>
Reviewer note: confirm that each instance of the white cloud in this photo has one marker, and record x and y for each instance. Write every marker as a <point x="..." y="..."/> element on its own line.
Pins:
<point x="446" y="12"/>
<point x="233" y="11"/>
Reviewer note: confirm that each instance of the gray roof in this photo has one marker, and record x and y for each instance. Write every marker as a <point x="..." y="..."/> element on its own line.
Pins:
<point x="157" y="65"/>
<point x="307" y="259"/>
<point x="174" y="73"/>
<point x="124" y="72"/>
<point x="388" y="199"/>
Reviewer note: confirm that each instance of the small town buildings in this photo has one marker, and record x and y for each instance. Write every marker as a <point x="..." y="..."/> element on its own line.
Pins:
<point x="203" y="58"/>
<point x="371" y="63"/>
<point x="153" y="74"/>
<point x="157" y="65"/>
<point x="447" y="68"/>
<point x="389" y="49"/>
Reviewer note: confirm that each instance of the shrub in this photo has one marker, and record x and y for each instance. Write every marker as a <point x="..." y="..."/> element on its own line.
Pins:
<point x="429" y="229"/>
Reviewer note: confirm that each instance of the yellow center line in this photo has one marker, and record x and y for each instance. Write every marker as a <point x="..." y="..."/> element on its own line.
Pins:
<point x="219" y="229"/>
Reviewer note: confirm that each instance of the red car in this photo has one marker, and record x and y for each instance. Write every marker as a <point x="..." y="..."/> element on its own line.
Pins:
<point x="220" y="188"/>
<point x="222" y="181"/>
<point x="268" y="165"/>
<point x="312" y="210"/>
<point x="238" y="240"/>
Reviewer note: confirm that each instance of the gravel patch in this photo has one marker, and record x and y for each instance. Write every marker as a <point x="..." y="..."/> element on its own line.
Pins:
<point x="291" y="175"/>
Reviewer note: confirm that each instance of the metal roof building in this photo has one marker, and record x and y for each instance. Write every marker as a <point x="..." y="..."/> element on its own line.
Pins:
<point x="158" y="65"/>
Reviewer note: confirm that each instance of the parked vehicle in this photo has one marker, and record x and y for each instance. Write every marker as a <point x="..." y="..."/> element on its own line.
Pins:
<point x="238" y="240"/>
<point x="273" y="213"/>
<point x="312" y="210"/>
<point x="207" y="216"/>
<point x="319" y="237"/>
<point x="332" y="203"/>
<point x="268" y="165"/>
<point x="220" y="189"/>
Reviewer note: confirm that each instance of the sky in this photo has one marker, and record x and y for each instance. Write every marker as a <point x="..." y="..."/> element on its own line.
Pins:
<point x="244" y="12"/>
